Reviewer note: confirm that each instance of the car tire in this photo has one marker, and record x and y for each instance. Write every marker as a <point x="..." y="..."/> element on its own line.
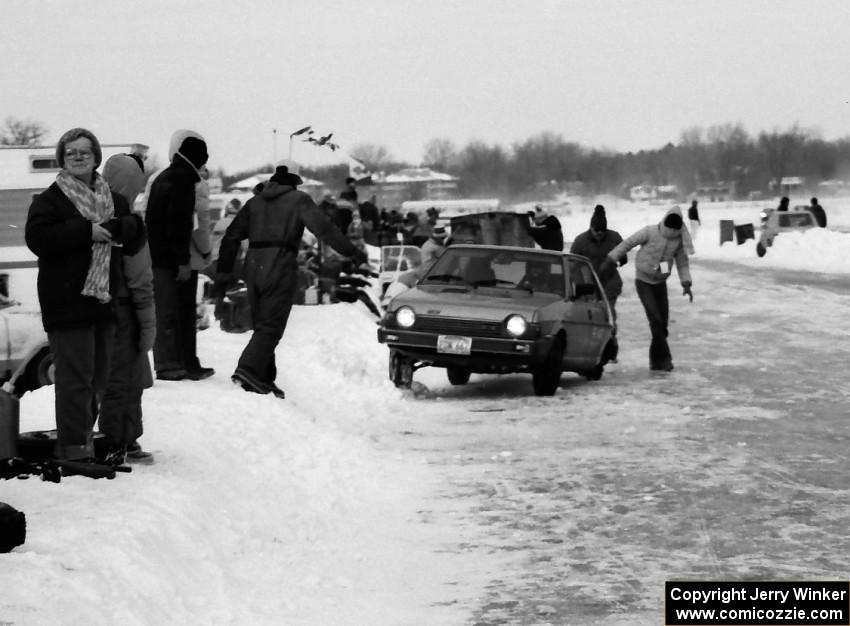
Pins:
<point x="760" y="249"/>
<point x="458" y="375"/>
<point x="547" y="376"/>
<point x="38" y="373"/>
<point x="401" y="370"/>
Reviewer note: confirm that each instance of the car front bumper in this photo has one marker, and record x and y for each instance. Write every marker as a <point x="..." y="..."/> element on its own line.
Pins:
<point x="487" y="354"/>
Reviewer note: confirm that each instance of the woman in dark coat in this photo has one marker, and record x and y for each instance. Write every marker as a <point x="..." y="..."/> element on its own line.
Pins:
<point x="73" y="228"/>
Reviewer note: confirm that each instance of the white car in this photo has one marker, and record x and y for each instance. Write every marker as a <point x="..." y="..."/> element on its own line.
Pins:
<point x="25" y="357"/>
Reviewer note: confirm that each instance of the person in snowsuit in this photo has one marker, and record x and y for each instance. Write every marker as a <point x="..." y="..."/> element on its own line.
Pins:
<point x="665" y="242"/>
<point x="72" y="227"/>
<point x="170" y="218"/>
<point x="693" y="218"/>
<point x="273" y="222"/>
<point x="595" y="244"/>
<point x="546" y="231"/>
<point x="120" y="416"/>
<point x="818" y="212"/>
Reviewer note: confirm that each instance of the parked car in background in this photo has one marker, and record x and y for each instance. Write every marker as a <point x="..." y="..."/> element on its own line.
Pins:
<point x="25" y="357"/>
<point x="774" y="222"/>
<point x="500" y="309"/>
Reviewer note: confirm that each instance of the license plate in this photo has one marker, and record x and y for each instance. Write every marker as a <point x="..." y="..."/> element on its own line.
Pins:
<point x="451" y="344"/>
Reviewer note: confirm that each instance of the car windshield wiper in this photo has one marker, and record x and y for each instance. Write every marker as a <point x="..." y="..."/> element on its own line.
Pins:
<point x="448" y="278"/>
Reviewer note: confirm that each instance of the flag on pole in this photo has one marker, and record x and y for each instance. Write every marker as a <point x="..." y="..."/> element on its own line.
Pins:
<point x="359" y="172"/>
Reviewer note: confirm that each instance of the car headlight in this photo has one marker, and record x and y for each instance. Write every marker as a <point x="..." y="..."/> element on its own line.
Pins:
<point x="516" y="325"/>
<point x="405" y="317"/>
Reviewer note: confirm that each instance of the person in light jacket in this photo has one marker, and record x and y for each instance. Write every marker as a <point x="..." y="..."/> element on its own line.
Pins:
<point x="666" y="243"/>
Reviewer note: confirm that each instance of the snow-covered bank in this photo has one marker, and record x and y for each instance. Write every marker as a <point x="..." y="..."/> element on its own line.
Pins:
<point x="820" y="250"/>
<point x="257" y="511"/>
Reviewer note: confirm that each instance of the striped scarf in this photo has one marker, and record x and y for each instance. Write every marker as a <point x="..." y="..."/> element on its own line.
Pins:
<point x="96" y="206"/>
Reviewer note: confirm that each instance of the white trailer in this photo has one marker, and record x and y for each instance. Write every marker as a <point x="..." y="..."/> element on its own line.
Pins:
<point x="26" y="171"/>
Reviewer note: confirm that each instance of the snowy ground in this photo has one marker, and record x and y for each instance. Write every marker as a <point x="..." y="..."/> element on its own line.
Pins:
<point x="317" y="509"/>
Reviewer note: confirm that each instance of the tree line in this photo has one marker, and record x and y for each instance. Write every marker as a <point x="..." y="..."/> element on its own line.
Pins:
<point x="704" y="156"/>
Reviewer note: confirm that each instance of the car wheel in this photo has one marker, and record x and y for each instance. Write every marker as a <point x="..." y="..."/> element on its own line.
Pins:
<point x="458" y="375"/>
<point x="760" y="249"/>
<point x="39" y="372"/>
<point x="547" y="376"/>
<point x="401" y="370"/>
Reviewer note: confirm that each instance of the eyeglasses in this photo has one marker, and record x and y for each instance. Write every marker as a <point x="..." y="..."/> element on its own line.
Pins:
<point x="82" y="154"/>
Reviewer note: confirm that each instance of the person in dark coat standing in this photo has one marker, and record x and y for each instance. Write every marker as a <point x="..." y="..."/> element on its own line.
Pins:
<point x="595" y="244"/>
<point x="693" y="218"/>
<point x="546" y="231"/>
<point x="273" y="222"/>
<point x="783" y="204"/>
<point x="170" y="222"/>
<point x="73" y="227"/>
<point x="818" y="212"/>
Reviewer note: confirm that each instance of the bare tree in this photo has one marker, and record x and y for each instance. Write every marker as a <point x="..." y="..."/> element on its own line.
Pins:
<point x="440" y="153"/>
<point x="22" y="132"/>
<point x="373" y="156"/>
<point x="779" y="149"/>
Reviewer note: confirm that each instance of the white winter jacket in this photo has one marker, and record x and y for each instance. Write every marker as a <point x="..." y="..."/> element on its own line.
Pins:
<point x="658" y="244"/>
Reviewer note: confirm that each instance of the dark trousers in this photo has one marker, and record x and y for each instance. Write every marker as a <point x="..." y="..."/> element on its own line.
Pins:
<point x="270" y="305"/>
<point x="81" y="357"/>
<point x="653" y="297"/>
<point x="176" y="344"/>
<point x="120" y="417"/>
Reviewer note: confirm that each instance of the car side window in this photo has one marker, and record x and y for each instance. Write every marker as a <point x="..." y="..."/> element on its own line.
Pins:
<point x="583" y="286"/>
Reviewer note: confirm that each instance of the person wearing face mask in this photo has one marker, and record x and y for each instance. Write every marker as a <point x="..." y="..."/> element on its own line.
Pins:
<point x="75" y="228"/>
<point x="667" y="242"/>
<point x="595" y="244"/>
<point x="170" y="219"/>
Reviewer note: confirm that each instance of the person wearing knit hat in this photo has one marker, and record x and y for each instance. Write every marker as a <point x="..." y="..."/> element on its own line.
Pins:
<point x="546" y="230"/>
<point x="595" y="243"/>
<point x="120" y="417"/>
<point x="434" y="246"/>
<point x="273" y="222"/>
<point x="170" y="218"/>
<point x="664" y="243"/>
<point x="72" y="227"/>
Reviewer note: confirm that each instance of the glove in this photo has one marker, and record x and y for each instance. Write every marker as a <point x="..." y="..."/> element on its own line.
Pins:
<point x="686" y="290"/>
<point x="147" y="328"/>
<point x="607" y="266"/>
<point x="184" y="273"/>
<point x="223" y="281"/>
<point x="359" y="257"/>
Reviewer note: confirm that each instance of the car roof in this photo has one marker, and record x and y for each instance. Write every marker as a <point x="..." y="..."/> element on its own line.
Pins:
<point x="519" y="249"/>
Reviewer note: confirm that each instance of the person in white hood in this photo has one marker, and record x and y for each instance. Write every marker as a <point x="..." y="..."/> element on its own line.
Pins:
<point x="663" y="243"/>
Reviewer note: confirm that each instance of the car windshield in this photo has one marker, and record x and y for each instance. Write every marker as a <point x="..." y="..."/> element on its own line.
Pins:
<point x="403" y="258"/>
<point x="513" y="269"/>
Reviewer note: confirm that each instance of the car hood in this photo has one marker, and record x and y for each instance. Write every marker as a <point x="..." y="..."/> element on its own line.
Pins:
<point x="481" y="303"/>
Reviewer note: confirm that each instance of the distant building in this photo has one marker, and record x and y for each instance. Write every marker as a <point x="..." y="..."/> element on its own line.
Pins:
<point x="315" y="188"/>
<point x="718" y="191"/>
<point x="413" y="183"/>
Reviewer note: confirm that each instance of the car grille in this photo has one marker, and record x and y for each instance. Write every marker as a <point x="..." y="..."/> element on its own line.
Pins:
<point x="454" y="326"/>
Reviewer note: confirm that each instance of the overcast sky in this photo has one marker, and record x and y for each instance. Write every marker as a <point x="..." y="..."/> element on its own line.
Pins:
<point x="627" y="75"/>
